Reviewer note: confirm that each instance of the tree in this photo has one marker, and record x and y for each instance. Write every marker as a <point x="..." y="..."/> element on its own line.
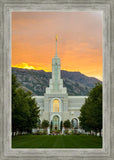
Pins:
<point x="45" y="123"/>
<point x="20" y="112"/>
<point x="39" y="123"/>
<point x="61" y="125"/>
<point x="15" y="85"/>
<point x="51" y="125"/>
<point x="25" y="113"/>
<point x="91" y="112"/>
<point x="67" y="124"/>
<point x="33" y="117"/>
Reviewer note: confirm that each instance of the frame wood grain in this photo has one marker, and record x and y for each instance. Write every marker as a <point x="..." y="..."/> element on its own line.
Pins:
<point x="6" y="8"/>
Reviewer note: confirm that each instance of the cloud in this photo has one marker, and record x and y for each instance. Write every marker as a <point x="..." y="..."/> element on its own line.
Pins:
<point x="79" y="39"/>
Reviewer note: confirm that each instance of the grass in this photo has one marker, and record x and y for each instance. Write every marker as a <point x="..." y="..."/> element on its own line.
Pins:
<point x="59" y="141"/>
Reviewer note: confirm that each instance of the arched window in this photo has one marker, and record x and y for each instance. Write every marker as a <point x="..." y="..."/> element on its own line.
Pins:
<point x="55" y="105"/>
<point x="74" y="123"/>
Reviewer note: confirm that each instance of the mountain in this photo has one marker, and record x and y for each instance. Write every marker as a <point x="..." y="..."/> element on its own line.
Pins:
<point x="37" y="80"/>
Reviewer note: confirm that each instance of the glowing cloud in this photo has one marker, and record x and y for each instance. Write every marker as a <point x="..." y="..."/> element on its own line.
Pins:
<point x="24" y="66"/>
<point x="27" y="66"/>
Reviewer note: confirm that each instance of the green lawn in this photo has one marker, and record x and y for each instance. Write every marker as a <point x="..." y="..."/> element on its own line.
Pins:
<point x="58" y="141"/>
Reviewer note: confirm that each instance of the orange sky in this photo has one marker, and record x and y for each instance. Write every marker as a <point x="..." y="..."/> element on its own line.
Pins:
<point x="79" y="41"/>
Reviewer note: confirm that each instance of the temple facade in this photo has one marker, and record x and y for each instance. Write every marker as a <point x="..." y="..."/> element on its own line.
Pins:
<point x="56" y="105"/>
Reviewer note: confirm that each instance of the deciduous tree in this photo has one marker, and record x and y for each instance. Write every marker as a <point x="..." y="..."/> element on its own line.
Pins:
<point x="25" y="113"/>
<point x="91" y="111"/>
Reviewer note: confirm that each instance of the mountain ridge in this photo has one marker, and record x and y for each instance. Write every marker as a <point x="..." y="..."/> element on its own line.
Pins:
<point x="37" y="80"/>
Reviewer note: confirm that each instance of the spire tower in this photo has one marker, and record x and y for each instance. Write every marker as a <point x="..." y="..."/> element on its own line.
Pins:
<point x="56" y="47"/>
<point x="56" y="83"/>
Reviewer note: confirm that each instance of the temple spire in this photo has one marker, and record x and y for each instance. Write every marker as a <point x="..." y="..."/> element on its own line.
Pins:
<point x="56" y="47"/>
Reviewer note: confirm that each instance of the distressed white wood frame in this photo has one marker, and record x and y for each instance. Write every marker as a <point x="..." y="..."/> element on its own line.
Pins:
<point x="6" y="8"/>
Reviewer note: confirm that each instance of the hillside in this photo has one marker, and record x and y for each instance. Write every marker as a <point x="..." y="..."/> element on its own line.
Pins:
<point x="36" y="81"/>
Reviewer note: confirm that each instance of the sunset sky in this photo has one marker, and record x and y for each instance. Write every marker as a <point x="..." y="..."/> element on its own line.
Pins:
<point x="79" y="41"/>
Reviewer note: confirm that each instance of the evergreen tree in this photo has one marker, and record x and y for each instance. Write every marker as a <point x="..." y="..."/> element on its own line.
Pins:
<point x="61" y="126"/>
<point x="51" y="126"/>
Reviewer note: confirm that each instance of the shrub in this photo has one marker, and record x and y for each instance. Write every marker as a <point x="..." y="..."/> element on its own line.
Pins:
<point x="66" y="132"/>
<point x="44" y="132"/>
<point x="67" y="124"/>
<point x="45" y="124"/>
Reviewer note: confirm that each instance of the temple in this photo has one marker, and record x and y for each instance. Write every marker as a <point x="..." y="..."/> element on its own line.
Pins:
<point x="56" y="105"/>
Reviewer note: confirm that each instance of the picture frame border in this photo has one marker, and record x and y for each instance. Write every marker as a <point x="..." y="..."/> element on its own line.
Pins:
<point x="107" y="8"/>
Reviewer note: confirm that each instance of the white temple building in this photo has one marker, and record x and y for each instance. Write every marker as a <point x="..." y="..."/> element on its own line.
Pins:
<point x="56" y="105"/>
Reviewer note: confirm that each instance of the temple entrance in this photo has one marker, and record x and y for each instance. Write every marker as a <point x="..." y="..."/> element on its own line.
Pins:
<point x="56" y="122"/>
<point x="74" y="123"/>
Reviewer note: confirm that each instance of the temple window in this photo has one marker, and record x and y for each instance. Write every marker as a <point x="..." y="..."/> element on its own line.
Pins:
<point x="55" y="105"/>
